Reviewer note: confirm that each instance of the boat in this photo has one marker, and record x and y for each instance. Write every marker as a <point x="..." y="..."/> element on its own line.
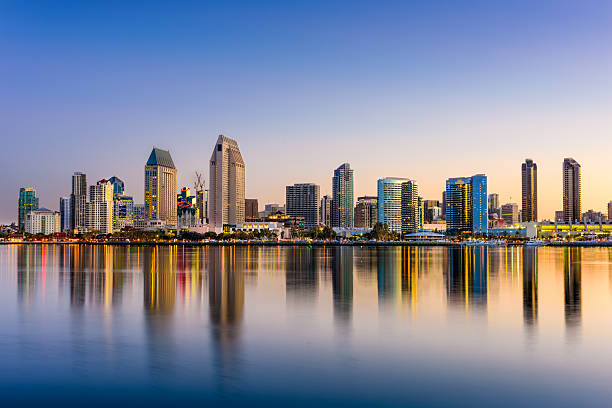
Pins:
<point x="497" y="242"/>
<point x="474" y="242"/>
<point x="535" y="243"/>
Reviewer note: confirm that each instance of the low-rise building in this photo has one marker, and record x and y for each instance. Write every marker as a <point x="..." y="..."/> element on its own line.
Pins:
<point x="42" y="221"/>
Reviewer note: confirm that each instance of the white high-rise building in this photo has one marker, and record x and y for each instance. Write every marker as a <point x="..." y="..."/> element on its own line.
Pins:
<point x="100" y="207"/>
<point x="42" y="221"/>
<point x="227" y="184"/>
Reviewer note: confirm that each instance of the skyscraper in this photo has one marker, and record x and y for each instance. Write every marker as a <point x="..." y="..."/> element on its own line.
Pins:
<point x="529" y="176"/>
<point x="123" y="211"/>
<point x="326" y="207"/>
<point x="118" y="185"/>
<point x="493" y="205"/>
<point x="610" y="211"/>
<point x="510" y="213"/>
<point x="78" y="202"/>
<point x="100" y="207"/>
<point x="390" y="202"/>
<point x="27" y="202"/>
<point x="342" y="197"/>
<point x="251" y="209"/>
<point x="227" y="184"/>
<point x="411" y="207"/>
<point x="571" y="191"/>
<point x="160" y="187"/>
<point x="65" y="214"/>
<point x="366" y="212"/>
<point x="466" y="204"/>
<point x="302" y="200"/>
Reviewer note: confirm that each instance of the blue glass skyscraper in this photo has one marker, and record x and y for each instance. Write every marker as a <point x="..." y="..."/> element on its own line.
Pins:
<point x="466" y="204"/>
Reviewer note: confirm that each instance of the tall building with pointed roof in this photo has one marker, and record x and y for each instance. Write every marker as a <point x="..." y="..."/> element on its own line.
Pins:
<point x="160" y="187"/>
<point x="227" y="184"/>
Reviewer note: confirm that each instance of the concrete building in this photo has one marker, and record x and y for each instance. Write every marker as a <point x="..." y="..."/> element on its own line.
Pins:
<point x="510" y="214"/>
<point x="302" y="200"/>
<point x="227" y="184"/>
<point x="428" y="214"/>
<point x="571" y="191"/>
<point x="42" y="221"/>
<point x="366" y="212"/>
<point x="342" y="197"/>
<point x="27" y="201"/>
<point x="326" y="209"/>
<point x="559" y="216"/>
<point x="593" y="217"/>
<point x="529" y="182"/>
<point x="65" y="215"/>
<point x="78" y="202"/>
<point x="493" y="204"/>
<point x="467" y="204"/>
<point x="610" y="211"/>
<point x="140" y="216"/>
<point x="160" y="187"/>
<point x="251" y="209"/>
<point x="100" y="208"/>
<point x="123" y="211"/>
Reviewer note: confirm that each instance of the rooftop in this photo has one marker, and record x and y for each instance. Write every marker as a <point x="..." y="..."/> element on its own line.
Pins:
<point x="160" y="157"/>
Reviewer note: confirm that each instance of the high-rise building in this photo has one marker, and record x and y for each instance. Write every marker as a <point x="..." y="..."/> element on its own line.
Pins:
<point x="251" y="209"/>
<point x="227" y="184"/>
<point x="444" y="205"/>
<point x="529" y="177"/>
<point x="559" y="216"/>
<point x="65" y="215"/>
<point x="42" y="221"/>
<point x="342" y="197"/>
<point x="188" y="213"/>
<point x="140" y="216"/>
<point x="118" y="185"/>
<point x="510" y="213"/>
<point x="302" y="200"/>
<point x="466" y="204"/>
<point x="326" y="209"/>
<point x="412" y="215"/>
<point x="100" y="207"/>
<point x="366" y="212"/>
<point x="390" y="202"/>
<point x="493" y="204"/>
<point x="610" y="211"/>
<point x="160" y="187"/>
<point x="202" y="204"/>
<point x="428" y="212"/>
<point x="27" y="202"/>
<point x="571" y="191"/>
<point x="78" y="202"/>
<point x="123" y="211"/>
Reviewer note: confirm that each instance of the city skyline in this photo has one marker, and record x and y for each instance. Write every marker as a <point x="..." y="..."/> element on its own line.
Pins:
<point x="518" y="73"/>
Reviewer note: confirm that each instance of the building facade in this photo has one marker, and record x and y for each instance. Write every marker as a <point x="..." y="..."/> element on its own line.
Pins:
<point x="118" y="185"/>
<point x="251" y="209"/>
<point x="467" y="204"/>
<point x="27" y="201"/>
<point x="412" y="213"/>
<point x="366" y="212"/>
<point x="140" y="216"/>
<point x="510" y="213"/>
<point x="160" y="187"/>
<point x="390" y="202"/>
<point x="100" y="208"/>
<point x="493" y="204"/>
<point x="571" y="191"/>
<point x="227" y="184"/>
<point x="326" y="208"/>
<point x="342" y="197"/>
<point x="188" y="213"/>
<point x="78" y="202"/>
<point x="302" y="200"/>
<point x="42" y="221"/>
<point x="610" y="211"/>
<point x="123" y="211"/>
<point x="65" y="215"/>
<point x="529" y="178"/>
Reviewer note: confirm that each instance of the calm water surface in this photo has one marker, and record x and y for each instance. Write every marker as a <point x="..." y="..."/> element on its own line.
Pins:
<point x="160" y="326"/>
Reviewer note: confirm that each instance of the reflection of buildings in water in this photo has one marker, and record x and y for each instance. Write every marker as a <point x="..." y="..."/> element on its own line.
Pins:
<point x="389" y="268"/>
<point x="77" y="275"/>
<point x="530" y="286"/>
<point x="410" y="268"/>
<point x="189" y="273"/>
<point x="301" y="272"/>
<point x="226" y="301"/>
<point x="342" y="283"/>
<point x="467" y="276"/>
<point x="26" y="272"/>
<point x="572" y="278"/>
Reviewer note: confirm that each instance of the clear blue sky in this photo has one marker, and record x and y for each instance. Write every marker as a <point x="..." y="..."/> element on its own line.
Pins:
<point x="426" y="90"/>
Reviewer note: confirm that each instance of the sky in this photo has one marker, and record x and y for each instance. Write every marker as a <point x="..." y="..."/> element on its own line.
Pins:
<point x="423" y="90"/>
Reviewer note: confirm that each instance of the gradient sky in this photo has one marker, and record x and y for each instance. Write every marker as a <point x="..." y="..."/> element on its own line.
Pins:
<point x="425" y="91"/>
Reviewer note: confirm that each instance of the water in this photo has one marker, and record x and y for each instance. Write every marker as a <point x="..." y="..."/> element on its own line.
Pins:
<point x="160" y="326"/>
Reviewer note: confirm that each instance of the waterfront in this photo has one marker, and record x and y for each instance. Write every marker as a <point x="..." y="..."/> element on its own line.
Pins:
<point x="426" y="326"/>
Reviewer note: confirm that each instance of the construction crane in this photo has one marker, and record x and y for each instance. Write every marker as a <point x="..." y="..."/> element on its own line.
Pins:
<point x="199" y="182"/>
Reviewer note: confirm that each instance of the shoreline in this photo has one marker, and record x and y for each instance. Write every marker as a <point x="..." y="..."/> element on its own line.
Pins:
<point x="302" y="243"/>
